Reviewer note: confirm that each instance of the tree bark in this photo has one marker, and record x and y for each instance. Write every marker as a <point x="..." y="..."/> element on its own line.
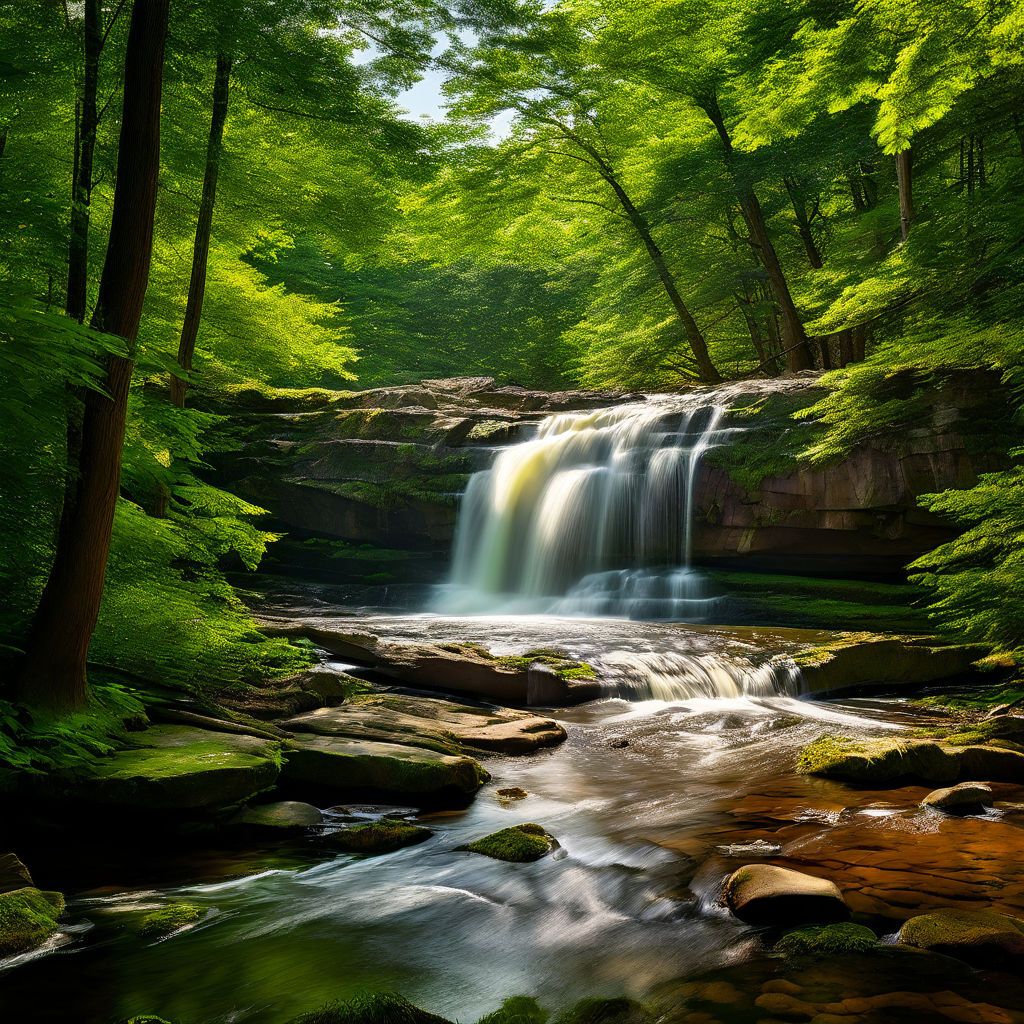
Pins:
<point x="803" y="225"/>
<point x="86" y="122"/>
<point x="797" y="351"/>
<point x="905" y="183"/>
<point x="201" y="247"/>
<point x="54" y="671"/>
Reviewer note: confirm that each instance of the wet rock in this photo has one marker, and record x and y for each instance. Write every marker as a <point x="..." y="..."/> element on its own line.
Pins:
<point x="617" y="742"/>
<point x="827" y="940"/>
<point x="374" y="837"/>
<point x="371" y="812"/>
<point x="28" y="917"/>
<point x="284" y="814"/>
<point x="885" y="760"/>
<point x="167" y="920"/>
<point x="351" y="765"/>
<point x="178" y="767"/>
<point x="979" y="937"/>
<point x="767" y="894"/>
<point x="964" y="798"/>
<point x="13" y="874"/>
<point x="757" y="848"/>
<point x="434" y="724"/>
<point x="519" y="844"/>
<point x="511" y="793"/>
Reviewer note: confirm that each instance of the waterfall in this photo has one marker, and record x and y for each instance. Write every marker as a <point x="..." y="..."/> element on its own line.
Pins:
<point x="591" y="515"/>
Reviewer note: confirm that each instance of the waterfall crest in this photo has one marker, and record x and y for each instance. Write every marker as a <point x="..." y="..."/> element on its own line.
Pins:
<point x="592" y="515"/>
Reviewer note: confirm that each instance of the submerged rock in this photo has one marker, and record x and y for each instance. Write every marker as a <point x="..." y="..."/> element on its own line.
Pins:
<point x="28" y="917"/>
<point x="964" y="798"/>
<point x="351" y="765"/>
<point x="511" y="793"/>
<point x="383" y="836"/>
<point x="887" y="760"/>
<point x="768" y="894"/>
<point x="519" y="844"/>
<point x="179" y="767"/>
<point x="431" y="723"/>
<point x="284" y="814"/>
<point x="979" y="937"/>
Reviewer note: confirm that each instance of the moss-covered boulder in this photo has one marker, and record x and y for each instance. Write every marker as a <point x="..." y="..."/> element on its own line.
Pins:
<point x="160" y="923"/>
<point x="886" y="760"/>
<point x="605" y="1011"/>
<point x="382" y="836"/>
<point x="517" y="1010"/>
<point x="179" y="767"/>
<point x="979" y="937"/>
<point x="518" y="844"/>
<point x="352" y="766"/>
<point x="827" y="940"/>
<point x="282" y="814"/>
<point x="964" y="798"/>
<point x="766" y="894"/>
<point x="28" y="917"/>
<point x="371" y="1008"/>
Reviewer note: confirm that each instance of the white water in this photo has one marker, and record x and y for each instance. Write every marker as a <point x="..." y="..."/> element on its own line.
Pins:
<point x="593" y="515"/>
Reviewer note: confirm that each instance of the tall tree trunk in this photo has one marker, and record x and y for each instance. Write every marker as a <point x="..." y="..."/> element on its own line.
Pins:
<point x="201" y="247"/>
<point x="797" y="350"/>
<point x="905" y="184"/>
<point x="981" y="161"/>
<point x="803" y="224"/>
<point x="970" y="166"/>
<point x="1018" y="130"/>
<point x="55" y="666"/>
<point x="85" y="144"/>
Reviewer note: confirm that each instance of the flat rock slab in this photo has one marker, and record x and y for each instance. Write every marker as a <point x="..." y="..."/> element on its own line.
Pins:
<point x="179" y="767"/>
<point x="353" y="765"/>
<point x="434" y="724"/>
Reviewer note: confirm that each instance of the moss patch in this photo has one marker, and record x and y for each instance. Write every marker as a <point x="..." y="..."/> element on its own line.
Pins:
<point x="168" y="919"/>
<point x="373" y="1008"/>
<point x="517" y="1010"/>
<point x="379" y="837"/>
<point x="604" y="1011"/>
<point x="827" y="940"/>
<point x="512" y="793"/>
<point x="519" y="844"/>
<point x="823" y="753"/>
<point x="28" y="917"/>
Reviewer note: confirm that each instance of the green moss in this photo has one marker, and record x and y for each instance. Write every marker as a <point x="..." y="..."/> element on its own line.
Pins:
<point x="518" y="844"/>
<point x="28" y="917"/>
<point x="823" y="753"/>
<point x="168" y="919"/>
<point x="604" y="1011"/>
<point x="513" y="793"/>
<point x="827" y="940"/>
<point x="372" y="1008"/>
<point x="517" y="1010"/>
<point x="379" y="837"/>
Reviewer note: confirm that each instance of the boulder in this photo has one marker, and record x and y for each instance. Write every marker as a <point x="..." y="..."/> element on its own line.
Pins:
<point x="964" y="798"/>
<point x="28" y="917"/>
<point x="434" y="724"/>
<point x="519" y="844"/>
<point x="979" y="937"/>
<point x="383" y="836"/>
<point x="178" y="767"/>
<point x="351" y="765"/>
<point x="887" y="760"/>
<point x="284" y="814"/>
<point x="766" y="894"/>
<point x="827" y="940"/>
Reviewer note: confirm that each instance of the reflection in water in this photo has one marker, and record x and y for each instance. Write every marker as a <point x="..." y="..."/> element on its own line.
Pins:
<point x="456" y="932"/>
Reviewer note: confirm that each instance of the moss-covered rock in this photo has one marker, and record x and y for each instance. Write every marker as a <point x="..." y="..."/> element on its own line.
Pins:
<point x="13" y="874"/>
<point x="382" y="836"/>
<point x="350" y="765"/>
<point x="517" y="1010"/>
<point x="28" y="917"/>
<point x="179" y="767"/>
<point x="283" y="814"/>
<point x="604" y="1011"/>
<point x="827" y="940"/>
<point x="162" y="922"/>
<point x="372" y="1008"/>
<point x="768" y="894"/>
<point x="978" y="937"/>
<point x="518" y="844"/>
<point x="885" y="760"/>
<point x="510" y="793"/>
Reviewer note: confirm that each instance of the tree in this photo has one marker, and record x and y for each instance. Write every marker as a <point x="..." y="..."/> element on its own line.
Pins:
<point x="55" y="665"/>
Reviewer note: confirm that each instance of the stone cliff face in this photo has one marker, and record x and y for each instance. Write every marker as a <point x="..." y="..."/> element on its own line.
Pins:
<point x="386" y="468"/>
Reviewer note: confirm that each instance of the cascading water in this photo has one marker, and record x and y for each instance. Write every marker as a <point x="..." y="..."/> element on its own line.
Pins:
<point x="593" y="516"/>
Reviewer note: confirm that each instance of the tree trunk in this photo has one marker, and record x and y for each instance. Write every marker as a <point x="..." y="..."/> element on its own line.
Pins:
<point x="803" y="225"/>
<point x="54" y="672"/>
<point x="905" y="183"/>
<point x="201" y="247"/>
<point x="1018" y="130"/>
<point x="796" y="349"/>
<point x="970" y="166"/>
<point x="85" y="144"/>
